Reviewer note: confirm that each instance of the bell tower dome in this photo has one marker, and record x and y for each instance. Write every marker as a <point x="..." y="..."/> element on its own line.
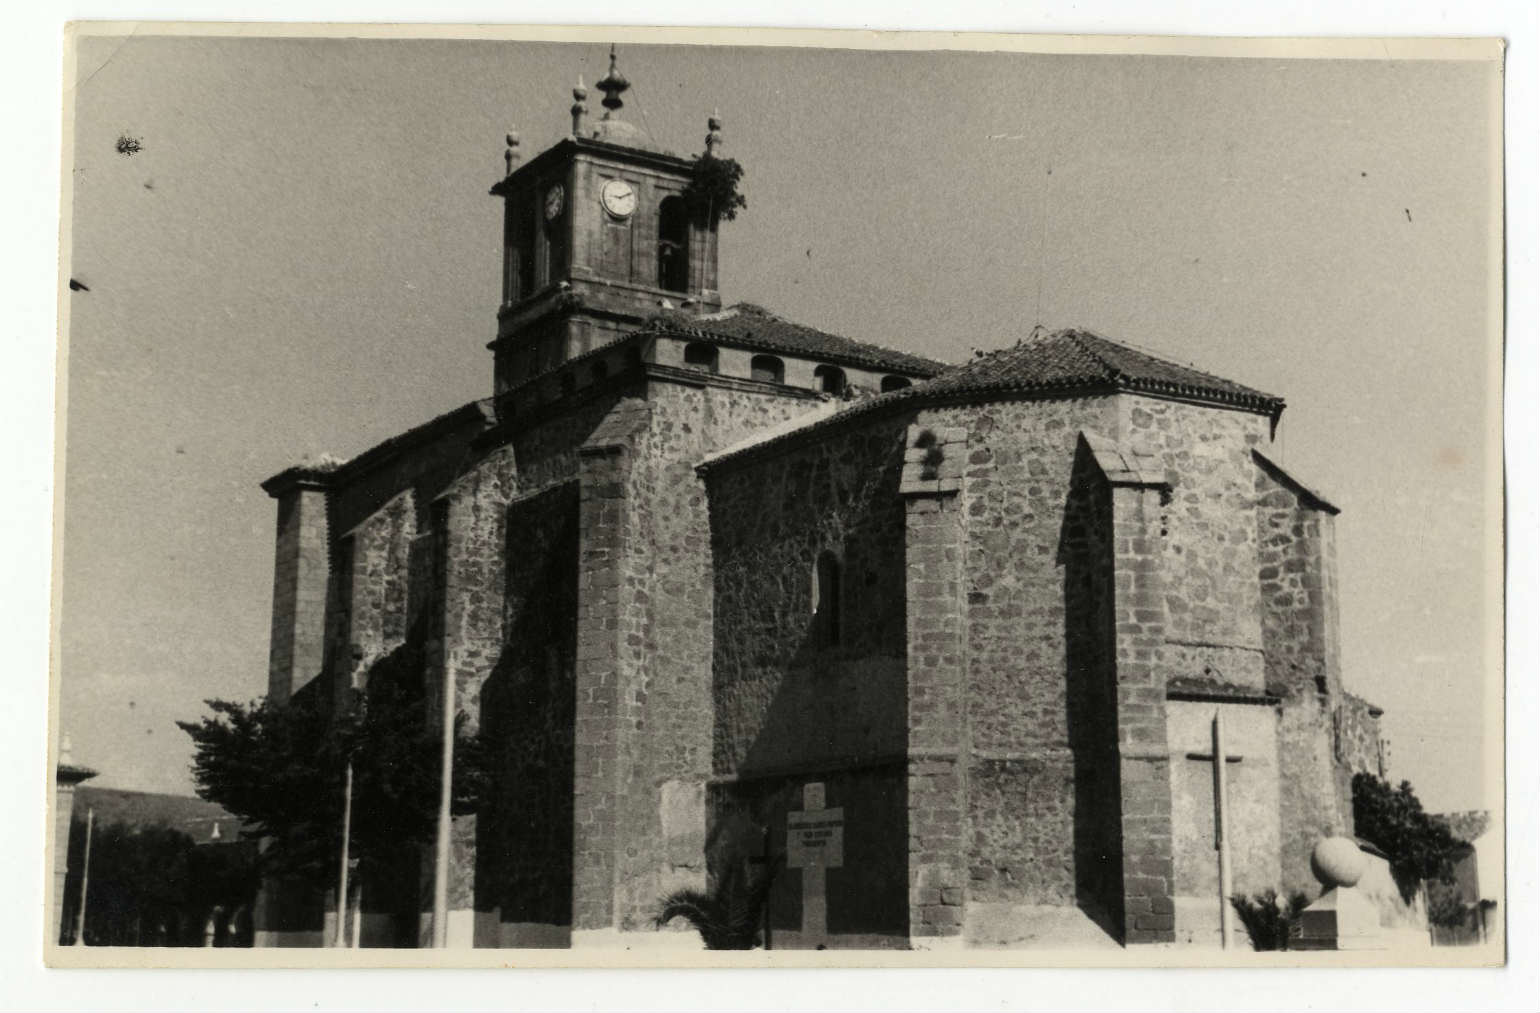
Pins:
<point x="597" y="235"/>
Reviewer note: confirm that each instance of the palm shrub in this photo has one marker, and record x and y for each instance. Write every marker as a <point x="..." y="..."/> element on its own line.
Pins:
<point x="1268" y="918"/>
<point x="728" y="914"/>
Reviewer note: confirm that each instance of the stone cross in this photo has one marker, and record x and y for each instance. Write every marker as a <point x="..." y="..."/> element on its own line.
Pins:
<point x="815" y="842"/>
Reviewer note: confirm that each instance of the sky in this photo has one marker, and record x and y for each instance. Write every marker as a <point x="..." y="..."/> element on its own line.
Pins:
<point x="303" y="258"/>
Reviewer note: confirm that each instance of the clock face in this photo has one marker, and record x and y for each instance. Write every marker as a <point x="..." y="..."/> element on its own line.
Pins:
<point x="619" y="198"/>
<point x="555" y="197"/>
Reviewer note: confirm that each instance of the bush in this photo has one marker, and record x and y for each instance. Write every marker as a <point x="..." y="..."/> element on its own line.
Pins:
<point x="1420" y="847"/>
<point x="1268" y="919"/>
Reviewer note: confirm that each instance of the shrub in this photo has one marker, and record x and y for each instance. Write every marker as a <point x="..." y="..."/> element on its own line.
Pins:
<point x="1267" y="918"/>
<point x="728" y="915"/>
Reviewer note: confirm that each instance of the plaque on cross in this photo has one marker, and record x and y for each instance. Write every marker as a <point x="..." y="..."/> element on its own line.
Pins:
<point x="815" y="841"/>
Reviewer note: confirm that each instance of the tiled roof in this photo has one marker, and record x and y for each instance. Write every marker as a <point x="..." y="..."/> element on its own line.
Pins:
<point x="1061" y="363"/>
<point x="192" y="816"/>
<point x="326" y="470"/>
<point x="750" y="326"/>
<point x="1072" y="359"/>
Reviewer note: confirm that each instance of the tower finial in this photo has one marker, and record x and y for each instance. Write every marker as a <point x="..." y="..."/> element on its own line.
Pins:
<point x="511" y="155"/>
<point x="613" y="83"/>
<point x="713" y="133"/>
<point x="579" y="110"/>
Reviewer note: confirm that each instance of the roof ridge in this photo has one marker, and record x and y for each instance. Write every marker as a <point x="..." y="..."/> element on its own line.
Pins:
<point x="1076" y="335"/>
<point x="1154" y="353"/>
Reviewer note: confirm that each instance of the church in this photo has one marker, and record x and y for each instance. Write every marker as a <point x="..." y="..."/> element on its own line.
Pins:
<point x="948" y="648"/>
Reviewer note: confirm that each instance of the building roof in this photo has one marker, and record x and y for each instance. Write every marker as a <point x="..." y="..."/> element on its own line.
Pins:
<point x="1064" y="363"/>
<point x="749" y="326"/>
<point x="326" y="471"/>
<point x="192" y="816"/>
<point x="1077" y="359"/>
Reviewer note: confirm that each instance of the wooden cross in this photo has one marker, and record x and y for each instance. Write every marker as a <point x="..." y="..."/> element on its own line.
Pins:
<point x="815" y="842"/>
<point x="1221" y="824"/>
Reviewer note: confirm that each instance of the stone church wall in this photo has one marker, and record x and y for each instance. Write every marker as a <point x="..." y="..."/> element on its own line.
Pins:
<point x="663" y="711"/>
<point x="1297" y="581"/>
<point x="1209" y="564"/>
<point x="792" y="707"/>
<point x="1252" y="791"/>
<point x="1028" y="656"/>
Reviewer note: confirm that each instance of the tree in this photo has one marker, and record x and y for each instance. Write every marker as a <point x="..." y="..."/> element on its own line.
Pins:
<point x="281" y="768"/>
<point x="1420" y="847"/>
<point x="151" y="885"/>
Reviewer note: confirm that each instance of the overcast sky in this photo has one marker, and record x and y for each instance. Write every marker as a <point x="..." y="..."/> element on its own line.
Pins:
<point x="303" y="258"/>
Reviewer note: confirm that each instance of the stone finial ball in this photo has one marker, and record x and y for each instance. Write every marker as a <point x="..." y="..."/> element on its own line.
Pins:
<point x="1337" y="861"/>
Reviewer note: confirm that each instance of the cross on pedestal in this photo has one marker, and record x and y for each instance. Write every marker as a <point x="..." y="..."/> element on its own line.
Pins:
<point x="1221" y="824"/>
<point x="815" y="842"/>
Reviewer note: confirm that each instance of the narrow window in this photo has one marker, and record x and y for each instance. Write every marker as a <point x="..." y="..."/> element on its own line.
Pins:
<point x="701" y="355"/>
<point x="556" y="247"/>
<point x="830" y="379"/>
<point x="521" y="220"/>
<point x="826" y="601"/>
<point x="673" y="245"/>
<point x="890" y="383"/>
<point x="601" y="371"/>
<point x="767" y="368"/>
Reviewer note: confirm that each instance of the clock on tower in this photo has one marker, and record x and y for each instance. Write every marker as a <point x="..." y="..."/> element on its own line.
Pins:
<point x="596" y="237"/>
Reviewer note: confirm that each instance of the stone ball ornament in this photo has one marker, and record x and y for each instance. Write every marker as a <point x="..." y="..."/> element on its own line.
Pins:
<point x="1338" y="861"/>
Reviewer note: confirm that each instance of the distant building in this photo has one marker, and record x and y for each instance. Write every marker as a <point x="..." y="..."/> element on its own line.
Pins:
<point x="67" y="778"/>
<point x="165" y="870"/>
<point x="948" y="638"/>
<point x="1478" y="879"/>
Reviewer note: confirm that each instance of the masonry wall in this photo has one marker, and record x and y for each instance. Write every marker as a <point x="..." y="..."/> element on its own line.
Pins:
<point x="642" y="778"/>
<point x="1209" y="546"/>
<point x="1033" y="667"/>
<point x="1297" y="582"/>
<point x="792" y="705"/>
<point x="300" y="572"/>
<point x="1252" y="792"/>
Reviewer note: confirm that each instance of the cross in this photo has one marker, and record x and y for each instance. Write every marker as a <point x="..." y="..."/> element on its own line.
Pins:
<point x="1221" y="823"/>
<point x="815" y="841"/>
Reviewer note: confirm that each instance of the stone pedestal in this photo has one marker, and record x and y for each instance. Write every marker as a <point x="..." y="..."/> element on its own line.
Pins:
<point x="1344" y="917"/>
<point x="1341" y="919"/>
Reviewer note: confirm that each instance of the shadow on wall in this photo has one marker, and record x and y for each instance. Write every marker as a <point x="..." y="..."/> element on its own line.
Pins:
<point x="810" y="590"/>
<point x="1085" y="556"/>
<point x="528" y="708"/>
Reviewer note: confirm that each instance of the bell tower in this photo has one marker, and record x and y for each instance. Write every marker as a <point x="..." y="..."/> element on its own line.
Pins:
<point x="598" y="234"/>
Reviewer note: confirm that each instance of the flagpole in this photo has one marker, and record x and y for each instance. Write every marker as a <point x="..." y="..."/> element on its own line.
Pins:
<point x="441" y="850"/>
<point x="342" y="872"/>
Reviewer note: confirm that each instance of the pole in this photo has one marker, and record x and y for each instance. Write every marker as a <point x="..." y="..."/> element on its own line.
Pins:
<point x="342" y="872"/>
<point x="441" y="850"/>
<point x="1222" y="834"/>
<point x="85" y="880"/>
